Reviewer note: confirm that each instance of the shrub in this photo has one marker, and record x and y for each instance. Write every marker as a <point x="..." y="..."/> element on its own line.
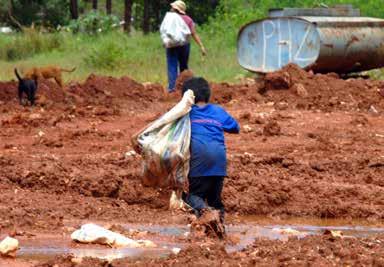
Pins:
<point x="108" y="54"/>
<point x="30" y="43"/>
<point x="94" y="22"/>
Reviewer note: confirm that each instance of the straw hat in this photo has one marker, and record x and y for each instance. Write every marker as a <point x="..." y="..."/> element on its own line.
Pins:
<point x="179" y="6"/>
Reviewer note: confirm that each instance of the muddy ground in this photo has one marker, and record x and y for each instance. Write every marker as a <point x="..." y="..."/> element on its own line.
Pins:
<point x="311" y="145"/>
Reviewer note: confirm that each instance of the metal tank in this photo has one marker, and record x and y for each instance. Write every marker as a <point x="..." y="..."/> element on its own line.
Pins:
<point x="321" y="39"/>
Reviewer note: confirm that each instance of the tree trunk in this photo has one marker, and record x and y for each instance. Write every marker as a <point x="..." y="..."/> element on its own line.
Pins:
<point x="73" y="7"/>
<point x="94" y="4"/>
<point x="146" y="17"/>
<point x="156" y="10"/>
<point x="12" y="19"/>
<point x="108" y="6"/>
<point x="128" y="15"/>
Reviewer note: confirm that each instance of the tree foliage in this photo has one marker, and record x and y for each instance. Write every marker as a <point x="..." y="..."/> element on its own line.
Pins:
<point x="94" y="22"/>
<point x="230" y="15"/>
<point x="147" y="14"/>
<point x="39" y="12"/>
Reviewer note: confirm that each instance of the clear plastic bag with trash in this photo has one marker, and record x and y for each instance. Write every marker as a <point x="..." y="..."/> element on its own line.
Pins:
<point x="164" y="147"/>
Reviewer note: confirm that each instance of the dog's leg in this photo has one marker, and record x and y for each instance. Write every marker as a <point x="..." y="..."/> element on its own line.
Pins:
<point x="33" y="90"/>
<point x="59" y="81"/>
<point x="30" y="96"/>
<point x="32" y="99"/>
<point x="20" y="93"/>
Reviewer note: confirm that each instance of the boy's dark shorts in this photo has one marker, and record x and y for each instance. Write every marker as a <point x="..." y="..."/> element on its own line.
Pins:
<point x="206" y="188"/>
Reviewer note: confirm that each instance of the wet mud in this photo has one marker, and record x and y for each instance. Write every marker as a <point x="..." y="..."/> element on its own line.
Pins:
<point x="175" y="245"/>
<point x="311" y="145"/>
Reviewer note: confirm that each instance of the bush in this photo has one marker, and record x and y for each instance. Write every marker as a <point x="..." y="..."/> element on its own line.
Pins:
<point x="94" y="22"/>
<point x="107" y="54"/>
<point x="30" y="43"/>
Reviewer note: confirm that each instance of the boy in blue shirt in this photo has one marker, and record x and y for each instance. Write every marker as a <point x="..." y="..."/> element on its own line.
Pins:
<point x="208" y="163"/>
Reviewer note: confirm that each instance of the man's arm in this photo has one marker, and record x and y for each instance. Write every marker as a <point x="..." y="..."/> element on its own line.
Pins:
<point x="197" y="39"/>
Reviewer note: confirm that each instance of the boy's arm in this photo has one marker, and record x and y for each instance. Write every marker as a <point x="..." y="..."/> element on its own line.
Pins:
<point x="230" y="125"/>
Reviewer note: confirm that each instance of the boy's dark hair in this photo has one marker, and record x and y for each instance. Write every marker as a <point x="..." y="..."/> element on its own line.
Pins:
<point x="200" y="88"/>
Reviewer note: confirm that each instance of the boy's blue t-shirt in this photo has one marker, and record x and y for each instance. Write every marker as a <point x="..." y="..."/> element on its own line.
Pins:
<point x="208" y="152"/>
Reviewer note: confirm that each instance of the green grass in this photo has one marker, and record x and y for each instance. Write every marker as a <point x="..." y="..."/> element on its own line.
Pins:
<point x="116" y="54"/>
<point x="143" y="57"/>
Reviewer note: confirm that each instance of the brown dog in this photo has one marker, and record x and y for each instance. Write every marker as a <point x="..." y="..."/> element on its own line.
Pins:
<point x="47" y="72"/>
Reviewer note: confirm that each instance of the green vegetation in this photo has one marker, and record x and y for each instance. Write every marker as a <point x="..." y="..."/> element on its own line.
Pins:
<point x="29" y="44"/>
<point x="142" y="57"/>
<point x="94" y="22"/>
<point x="115" y="53"/>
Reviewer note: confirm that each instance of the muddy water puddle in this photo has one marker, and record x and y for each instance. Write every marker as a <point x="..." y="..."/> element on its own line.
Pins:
<point x="253" y="227"/>
<point x="51" y="251"/>
<point x="46" y="248"/>
<point x="171" y="238"/>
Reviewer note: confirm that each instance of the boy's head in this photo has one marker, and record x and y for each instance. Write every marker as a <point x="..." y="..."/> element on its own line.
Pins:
<point x="200" y="88"/>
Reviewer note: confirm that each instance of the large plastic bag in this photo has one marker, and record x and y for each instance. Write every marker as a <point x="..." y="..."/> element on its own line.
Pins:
<point x="174" y="31"/>
<point x="164" y="146"/>
<point x="92" y="233"/>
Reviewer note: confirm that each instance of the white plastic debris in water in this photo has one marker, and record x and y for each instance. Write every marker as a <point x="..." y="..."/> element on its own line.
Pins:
<point x="9" y="246"/>
<point x="287" y="231"/>
<point x="333" y="233"/>
<point x="176" y="250"/>
<point x="186" y="234"/>
<point x="92" y="233"/>
<point x="109" y="255"/>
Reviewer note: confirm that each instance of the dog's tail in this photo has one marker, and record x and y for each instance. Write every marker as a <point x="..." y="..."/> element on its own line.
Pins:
<point x="65" y="70"/>
<point x="17" y="75"/>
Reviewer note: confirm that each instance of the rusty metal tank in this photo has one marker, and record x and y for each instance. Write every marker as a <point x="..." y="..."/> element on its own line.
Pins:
<point x="321" y="39"/>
